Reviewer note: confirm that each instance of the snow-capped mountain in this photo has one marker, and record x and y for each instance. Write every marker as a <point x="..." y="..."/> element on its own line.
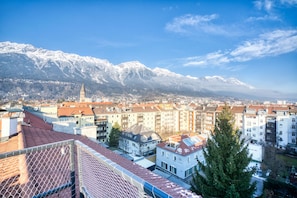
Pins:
<point x="23" y="61"/>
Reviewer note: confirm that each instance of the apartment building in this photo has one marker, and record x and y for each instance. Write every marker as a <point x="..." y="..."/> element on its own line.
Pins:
<point x="292" y="125"/>
<point x="186" y="117"/>
<point x="138" y="140"/>
<point x="169" y="118"/>
<point x="272" y="124"/>
<point x="205" y="117"/>
<point x="179" y="155"/>
<point x="101" y="121"/>
<point x="254" y="124"/>
<point x="76" y="120"/>
<point x="146" y="115"/>
<point x="238" y="117"/>
<point x="286" y="127"/>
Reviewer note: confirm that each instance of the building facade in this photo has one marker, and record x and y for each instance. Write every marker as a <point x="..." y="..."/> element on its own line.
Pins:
<point x="139" y="141"/>
<point x="179" y="155"/>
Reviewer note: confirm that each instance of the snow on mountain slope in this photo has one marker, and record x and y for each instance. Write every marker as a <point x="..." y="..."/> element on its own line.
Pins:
<point x="25" y="61"/>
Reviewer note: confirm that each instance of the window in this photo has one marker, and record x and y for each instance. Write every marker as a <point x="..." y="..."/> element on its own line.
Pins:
<point x="293" y="126"/>
<point x="261" y="127"/>
<point x="172" y="169"/>
<point x="280" y="132"/>
<point x="293" y="134"/>
<point x="293" y="119"/>
<point x="164" y="165"/>
<point x="174" y="158"/>
<point x="190" y="171"/>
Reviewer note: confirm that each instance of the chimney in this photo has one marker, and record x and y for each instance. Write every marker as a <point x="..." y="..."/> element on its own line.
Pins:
<point x="9" y="127"/>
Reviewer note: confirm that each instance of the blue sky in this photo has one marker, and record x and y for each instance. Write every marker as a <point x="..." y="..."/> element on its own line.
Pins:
<point x="254" y="41"/>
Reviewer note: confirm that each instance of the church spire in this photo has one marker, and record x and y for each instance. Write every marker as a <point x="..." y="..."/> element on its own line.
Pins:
<point x="82" y="94"/>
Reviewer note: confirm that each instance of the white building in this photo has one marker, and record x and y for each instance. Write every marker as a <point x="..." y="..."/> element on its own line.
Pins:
<point x="138" y="141"/>
<point x="76" y="120"/>
<point x="179" y="155"/>
<point x="270" y="124"/>
<point x="282" y="128"/>
<point x="254" y="124"/>
<point x="256" y="151"/>
<point x="292" y="125"/>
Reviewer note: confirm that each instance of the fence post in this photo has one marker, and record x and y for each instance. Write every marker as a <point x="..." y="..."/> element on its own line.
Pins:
<point x="79" y="166"/>
<point x="72" y="169"/>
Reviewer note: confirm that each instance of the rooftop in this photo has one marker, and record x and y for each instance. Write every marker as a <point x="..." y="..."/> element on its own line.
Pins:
<point x="38" y="133"/>
<point x="183" y="144"/>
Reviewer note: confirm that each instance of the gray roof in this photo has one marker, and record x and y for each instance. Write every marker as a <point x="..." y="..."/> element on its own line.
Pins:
<point x="140" y="134"/>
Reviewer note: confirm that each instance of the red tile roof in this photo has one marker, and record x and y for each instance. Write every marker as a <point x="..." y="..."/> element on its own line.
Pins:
<point x="237" y="109"/>
<point x="37" y="122"/>
<point x="71" y="111"/>
<point x="10" y="173"/>
<point x="183" y="148"/>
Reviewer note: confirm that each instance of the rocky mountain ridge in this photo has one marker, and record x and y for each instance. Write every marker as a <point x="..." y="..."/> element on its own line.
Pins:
<point x="28" y="63"/>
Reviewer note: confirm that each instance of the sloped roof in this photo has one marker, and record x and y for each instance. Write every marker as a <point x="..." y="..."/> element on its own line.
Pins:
<point x="10" y="172"/>
<point x="140" y="134"/>
<point x="35" y="121"/>
<point x="237" y="109"/>
<point x="71" y="111"/>
<point x="185" y="144"/>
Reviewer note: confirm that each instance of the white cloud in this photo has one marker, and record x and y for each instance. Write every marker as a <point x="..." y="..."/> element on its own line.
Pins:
<point x="263" y="4"/>
<point x="268" y="44"/>
<point x="181" y="24"/>
<point x="264" y="18"/>
<point x="291" y="2"/>
<point x="211" y="59"/>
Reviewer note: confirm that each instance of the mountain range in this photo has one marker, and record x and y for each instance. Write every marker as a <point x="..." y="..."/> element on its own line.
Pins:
<point x="39" y="73"/>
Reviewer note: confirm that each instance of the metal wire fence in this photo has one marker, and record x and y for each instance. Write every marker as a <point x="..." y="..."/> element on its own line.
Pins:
<point x="43" y="171"/>
<point x="100" y="177"/>
<point x="51" y="170"/>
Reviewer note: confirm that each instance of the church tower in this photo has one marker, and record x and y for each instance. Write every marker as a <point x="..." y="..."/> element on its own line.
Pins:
<point x="82" y="94"/>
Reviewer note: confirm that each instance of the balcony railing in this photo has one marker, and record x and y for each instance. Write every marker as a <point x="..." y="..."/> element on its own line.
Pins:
<point x="68" y="169"/>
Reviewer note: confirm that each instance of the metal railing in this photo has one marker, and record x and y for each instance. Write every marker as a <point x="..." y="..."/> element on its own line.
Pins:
<point x="68" y="169"/>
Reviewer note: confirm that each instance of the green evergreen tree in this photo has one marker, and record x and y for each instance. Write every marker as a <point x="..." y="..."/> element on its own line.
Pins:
<point x="224" y="173"/>
<point x="114" y="135"/>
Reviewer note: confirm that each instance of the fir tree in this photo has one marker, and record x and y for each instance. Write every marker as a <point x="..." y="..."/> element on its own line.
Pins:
<point x="114" y="135"/>
<point x="224" y="173"/>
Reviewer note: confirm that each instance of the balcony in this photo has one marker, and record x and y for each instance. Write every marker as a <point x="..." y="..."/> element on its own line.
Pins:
<point x="70" y="168"/>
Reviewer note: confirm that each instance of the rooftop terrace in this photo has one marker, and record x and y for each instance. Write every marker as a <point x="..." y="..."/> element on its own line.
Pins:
<point x="55" y="164"/>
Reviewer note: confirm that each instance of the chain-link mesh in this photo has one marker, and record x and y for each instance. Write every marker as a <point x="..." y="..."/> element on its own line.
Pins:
<point x="49" y="171"/>
<point x="37" y="172"/>
<point x="10" y="177"/>
<point x="99" y="177"/>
